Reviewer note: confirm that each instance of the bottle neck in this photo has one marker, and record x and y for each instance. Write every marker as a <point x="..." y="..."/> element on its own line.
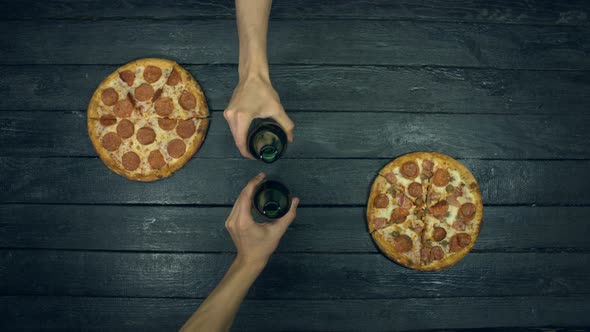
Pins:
<point x="267" y="141"/>
<point x="268" y="146"/>
<point x="272" y="199"/>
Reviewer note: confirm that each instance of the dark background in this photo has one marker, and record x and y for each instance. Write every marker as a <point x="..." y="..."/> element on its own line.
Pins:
<point x="504" y="86"/>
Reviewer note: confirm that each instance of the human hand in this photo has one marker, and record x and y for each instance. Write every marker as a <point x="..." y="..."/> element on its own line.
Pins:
<point x="254" y="98"/>
<point x="254" y="241"/>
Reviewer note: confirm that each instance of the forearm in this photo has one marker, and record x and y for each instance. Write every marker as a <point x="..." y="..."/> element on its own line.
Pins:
<point x="218" y="311"/>
<point x="252" y="18"/>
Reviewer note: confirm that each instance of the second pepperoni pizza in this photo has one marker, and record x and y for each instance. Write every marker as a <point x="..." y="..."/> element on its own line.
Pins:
<point x="147" y="119"/>
<point x="425" y="211"/>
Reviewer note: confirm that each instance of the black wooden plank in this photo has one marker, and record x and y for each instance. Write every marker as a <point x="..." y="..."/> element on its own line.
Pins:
<point x="201" y="229"/>
<point x="289" y="276"/>
<point x="148" y="314"/>
<point x="325" y="88"/>
<point x="338" y="135"/>
<point x="316" y="181"/>
<point x="332" y="42"/>
<point x="538" y="11"/>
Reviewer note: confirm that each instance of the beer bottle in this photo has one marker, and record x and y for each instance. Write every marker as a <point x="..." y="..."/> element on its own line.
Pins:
<point x="267" y="141"/>
<point x="272" y="199"/>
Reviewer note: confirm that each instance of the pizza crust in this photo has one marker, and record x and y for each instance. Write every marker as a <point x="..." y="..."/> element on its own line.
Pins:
<point x="389" y="251"/>
<point x="398" y="162"/>
<point x="379" y="185"/>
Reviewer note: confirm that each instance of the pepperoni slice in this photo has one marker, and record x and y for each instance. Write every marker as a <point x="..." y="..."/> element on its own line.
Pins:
<point x="108" y="120"/>
<point x="123" y="108"/>
<point x="415" y="189"/>
<point x="459" y="241"/>
<point x="187" y="100"/>
<point x="433" y="196"/>
<point x="404" y="201"/>
<point x="174" y="78"/>
<point x="402" y="243"/>
<point x="427" y="165"/>
<point x="425" y="256"/>
<point x="176" y="148"/>
<point x="109" y="96"/>
<point x="167" y="124"/>
<point x="146" y="135"/>
<point x="417" y="226"/>
<point x="410" y="170"/>
<point x="156" y="159"/>
<point x="157" y="95"/>
<point x="441" y="177"/>
<point x="131" y="99"/>
<point x="185" y="128"/>
<point x="164" y="106"/>
<point x="467" y="211"/>
<point x="439" y="209"/>
<point x="398" y="215"/>
<point x="381" y="201"/>
<point x="111" y="141"/>
<point x="459" y="225"/>
<point x="130" y="161"/>
<point x="437" y="253"/>
<point x="127" y="76"/>
<point x="438" y="234"/>
<point x="125" y="128"/>
<point x="379" y="223"/>
<point x="144" y="92"/>
<point x="464" y="239"/>
<point x="391" y="178"/>
<point x="152" y="74"/>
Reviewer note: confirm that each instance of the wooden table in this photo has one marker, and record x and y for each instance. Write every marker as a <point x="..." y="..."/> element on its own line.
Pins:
<point x="502" y="85"/>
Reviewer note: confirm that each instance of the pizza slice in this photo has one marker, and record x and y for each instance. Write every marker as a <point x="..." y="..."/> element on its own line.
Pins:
<point x="453" y="193"/>
<point x="181" y="97"/>
<point x="410" y="176"/>
<point x="131" y="90"/>
<point x="453" y="214"/>
<point x="387" y="205"/>
<point x="395" y="221"/>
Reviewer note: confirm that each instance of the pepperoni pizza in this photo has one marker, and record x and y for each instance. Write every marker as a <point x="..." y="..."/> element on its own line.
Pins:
<point x="425" y="211"/>
<point x="147" y="119"/>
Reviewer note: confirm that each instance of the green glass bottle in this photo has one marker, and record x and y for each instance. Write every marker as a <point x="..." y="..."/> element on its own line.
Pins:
<point x="267" y="141"/>
<point x="272" y="199"/>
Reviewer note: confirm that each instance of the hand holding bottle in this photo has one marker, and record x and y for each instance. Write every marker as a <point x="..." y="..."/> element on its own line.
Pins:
<point x="255" y="242"/>
<point x="254" y="98"/>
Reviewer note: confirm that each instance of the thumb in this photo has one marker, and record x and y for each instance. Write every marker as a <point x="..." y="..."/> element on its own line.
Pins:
<point x="283" y="223"/>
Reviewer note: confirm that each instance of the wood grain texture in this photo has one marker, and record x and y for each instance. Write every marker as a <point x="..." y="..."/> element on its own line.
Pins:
<point x="129" y="314"/>
<point x="326" y="230"/>
<point x="315" y="181"/>
<point x="330" y="88"/>
<point x="290" y="276"/>
<point x="338" y="135"/>
<point x="500" y="11"/>
<point x="333" y="42"/>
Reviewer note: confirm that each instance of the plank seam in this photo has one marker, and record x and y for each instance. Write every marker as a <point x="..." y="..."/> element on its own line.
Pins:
<point x="82" y="113"/>
<point x="286" y="64"/>
<point x="321" y="18"/>
<point x="577" y="295"/>
<point x="550" y="251"/>
<point x="223" y="205"/>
